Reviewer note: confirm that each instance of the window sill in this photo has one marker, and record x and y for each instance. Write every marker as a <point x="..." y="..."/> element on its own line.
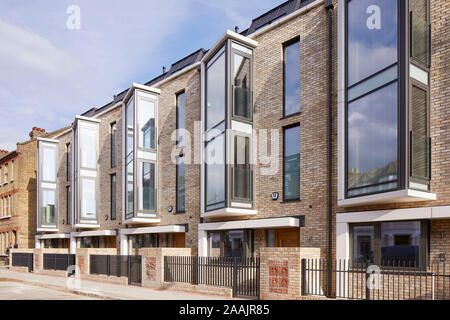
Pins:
<point x="4" y="218"/>
<point x="291" y="201"/>
<point x="291" y="115"/>
<point x="407" y="195"/>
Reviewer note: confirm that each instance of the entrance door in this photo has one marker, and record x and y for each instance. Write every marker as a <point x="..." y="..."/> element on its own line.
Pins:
<point x="284" y="237"/>
<point x="178" y="240"/>
<point x="135" y="270"/>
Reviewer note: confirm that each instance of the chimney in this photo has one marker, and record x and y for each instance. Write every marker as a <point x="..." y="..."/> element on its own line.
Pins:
<point x="236" y="29"/>
<point x="37" y="132"/>
<point x="3" y="152"/>
<point x="164" y="69"/>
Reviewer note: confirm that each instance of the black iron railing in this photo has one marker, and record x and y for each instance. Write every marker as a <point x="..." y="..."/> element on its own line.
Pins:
<point x="394" y="280"/>
<point x="109" y="265"/>
<point x="20" y="259"/>
<point x="241" y="274"/>
<point x="59" y="261"/>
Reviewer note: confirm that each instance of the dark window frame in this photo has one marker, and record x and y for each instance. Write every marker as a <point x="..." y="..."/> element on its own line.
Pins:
<point x="293" y="125"/>
<point x="284" y="45"/>
<point x="68" y="205"/>
<point x="401" y="136"/>
<point x="424" y="247"/>
<point x="68" y="162"/>
<point x="177" y="184"/>
<point x="177" y="120"/>
<point x="113" y="132"/>
<point x="113" y="196"/>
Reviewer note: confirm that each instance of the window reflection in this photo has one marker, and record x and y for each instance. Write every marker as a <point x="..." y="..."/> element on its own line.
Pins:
<point x="292" y="163"/>
<point x="48" y="164"/>
<point x="372" y="140"/>
<point x="215" y="90"/>
<point x="215" y="173"/>
<point x="363" y="244"/>
<point x="88" y="199"/>
<point x="241" y="85"/>
<point x="372" y="37"/>
<point x="400" y="243"/>
<point x="146" y="124"/>
<point x="88" y="147"/>
<point x="147" y="188"/>
<point x="292" y="78"/>
<point x="48" y="207"/>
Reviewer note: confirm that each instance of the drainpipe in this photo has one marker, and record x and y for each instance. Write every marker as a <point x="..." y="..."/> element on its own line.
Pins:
<point x="329" y="7"/>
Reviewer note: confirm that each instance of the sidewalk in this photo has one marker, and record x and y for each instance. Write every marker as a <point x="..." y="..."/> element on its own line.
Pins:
<point x="100" y="289"/>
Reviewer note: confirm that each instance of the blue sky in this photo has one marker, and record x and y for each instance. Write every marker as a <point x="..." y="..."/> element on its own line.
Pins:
<point x="49" y="73"/>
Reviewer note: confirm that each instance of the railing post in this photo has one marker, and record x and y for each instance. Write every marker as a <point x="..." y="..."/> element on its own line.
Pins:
<point x="196" y="271"/>
<point x="108" y="265"/>
<point x="234" y="277"/>
<point x="367" y="283"/>
<point x="303" y="276"/>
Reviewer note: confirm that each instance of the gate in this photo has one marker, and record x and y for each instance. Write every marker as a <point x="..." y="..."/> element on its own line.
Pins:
<point x="242" y="275"/>
<point x="59" y="262"/>
<point x="20" y="259"/>
<point x="135" y="270"/>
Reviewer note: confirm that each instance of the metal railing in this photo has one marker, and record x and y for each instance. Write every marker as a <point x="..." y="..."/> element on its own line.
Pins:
<point x="109" y="265"/>
<point x="59" y="261"/>
<point x="21" y="259"/>
<point x="241" y="274"/>
<point x="364" y="281"/>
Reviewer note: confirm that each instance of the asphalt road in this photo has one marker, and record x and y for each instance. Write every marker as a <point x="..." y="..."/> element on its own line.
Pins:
<point x="20" y="291"/>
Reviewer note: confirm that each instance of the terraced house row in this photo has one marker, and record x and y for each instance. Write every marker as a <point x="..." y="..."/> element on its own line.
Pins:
<point x="324" y="126"/>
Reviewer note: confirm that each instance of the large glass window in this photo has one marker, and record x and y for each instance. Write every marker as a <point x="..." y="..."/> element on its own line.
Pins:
<point x="372" y="37"/>
<point x="215" y="173"/>
<point x="292" y="78"/>
<point x="181" y="119"/>
<point x="68" y="162"/>
<point x="88" y="198"/>
<point x="291" y="174"/>
<point x="147" y="190"/>
<point x="68" y="205"/>
<point x="48" y="207"/>
<point x="146" y="124"/>
<point x="88" y="147"/>
<point x="372" y="141"/>
<point x="399" y="243"/>
<point x="48" y="164"/>
<point x="242" y="173"/>
<point x="241" y="86"/>
<point x="130" y="159"/>
<point x="215" y="90"/>
<point x="181" y="185"/>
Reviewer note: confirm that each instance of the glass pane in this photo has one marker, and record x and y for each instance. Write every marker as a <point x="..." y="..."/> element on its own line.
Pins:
<point x="215" y="92"/>
<point x="146" y="124"/>
<point x="292" y="163"/>
<point x="215" y="173"/>
<point x="373" y="83"/>
<point x="88" y="147"/>
<point x="130" y="190"/>
<point x="113" y="197"/>
<point x="181" y="185"/>
<point x="48" y="164"/>
<point x="113" y="144"/>
<point x="181" y="118"/>
<point x="234" y="243"/>
<point x="48" y="209"/>
<point x="241" y="85"/>
<point x="147" y="187"/>
<point x="420" y="143"/>
<point x="420" y="31"/>
<point x="271" y="238"/>
<point x="372" y="139"/>
<point x="292" y="78"/>
<point x="372" y="37"/>
<point x="363" y="244"/>
<point x="88" y="199"/>
<point x="400" y="243"/>
<point x="130" y="126"/>
<point x="242" y="173"/>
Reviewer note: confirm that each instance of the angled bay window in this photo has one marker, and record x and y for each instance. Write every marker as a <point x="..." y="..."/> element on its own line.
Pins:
<point x="47" y="190"/>
<point x="382" y="100"/>
<point x="140" y="115"/>
<point x="227" y="118"/>
<point x="85" y="162"/>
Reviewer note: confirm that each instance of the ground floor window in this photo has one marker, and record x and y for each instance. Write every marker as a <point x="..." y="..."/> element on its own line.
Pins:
<point x="399" y="243"/>
<point x="56" y="243"/>
<point x="231" y="243"/>
<point x="98" y="242"/>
